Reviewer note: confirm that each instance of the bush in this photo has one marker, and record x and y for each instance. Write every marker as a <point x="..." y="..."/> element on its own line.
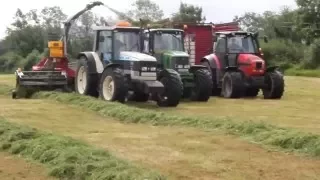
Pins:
<point x="31" y="60"/>
<point x="9" y="61"/>
<point x="283" y="53"/>
<point x="312" y="55"/>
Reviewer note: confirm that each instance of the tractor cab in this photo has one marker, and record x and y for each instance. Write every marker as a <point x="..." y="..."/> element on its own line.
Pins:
<point x="235" y="49"/>
<point x="120" y="42"/>
<point x="166" y="45"/>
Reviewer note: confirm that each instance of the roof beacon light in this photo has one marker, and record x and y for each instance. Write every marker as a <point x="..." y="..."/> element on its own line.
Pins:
<point x="185" y="26"/>
<point x="123" y="24"/>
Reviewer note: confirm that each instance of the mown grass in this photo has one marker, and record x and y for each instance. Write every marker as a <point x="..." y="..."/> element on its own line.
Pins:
<point x="67" y="158"/>
<point x="285" y="138"/>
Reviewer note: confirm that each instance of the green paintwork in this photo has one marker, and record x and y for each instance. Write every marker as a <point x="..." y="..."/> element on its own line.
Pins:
<point x="164" y="57"/>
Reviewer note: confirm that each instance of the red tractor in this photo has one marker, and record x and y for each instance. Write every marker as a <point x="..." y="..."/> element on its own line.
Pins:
<point x="235" y="60"/>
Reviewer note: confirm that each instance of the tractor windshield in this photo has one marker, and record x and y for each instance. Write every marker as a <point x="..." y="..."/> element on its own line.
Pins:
<point x="127" y="41"/>
<point x="242" y="44"/>
<point x="168" y="41"/>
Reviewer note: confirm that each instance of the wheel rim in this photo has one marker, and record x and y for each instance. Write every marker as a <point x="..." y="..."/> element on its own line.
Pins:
<point x="108" y="88"/>
<point x="81" y="80"/>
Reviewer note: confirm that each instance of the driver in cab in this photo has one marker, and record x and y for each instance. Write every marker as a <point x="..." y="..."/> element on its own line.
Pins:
<point x="234" y="46"/>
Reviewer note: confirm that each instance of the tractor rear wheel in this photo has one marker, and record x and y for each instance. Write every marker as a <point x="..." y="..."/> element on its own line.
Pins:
<point x="173" y="89"/>
<point x="252" y="92"/>
<point x="232" y="85"/>
<point x="85" y="84"/>
<point x="275" y="85"/>
<point x="203" y="85"/>
<point x="215" y="90"/>
<point x="113" y="86"/>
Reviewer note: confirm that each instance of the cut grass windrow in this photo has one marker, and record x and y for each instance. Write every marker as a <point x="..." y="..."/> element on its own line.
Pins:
<point x="266" y="134"/>
<point x="67" y="158"/>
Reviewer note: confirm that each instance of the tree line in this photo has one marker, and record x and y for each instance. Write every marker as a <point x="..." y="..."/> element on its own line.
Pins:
<point x="294" y="33"/>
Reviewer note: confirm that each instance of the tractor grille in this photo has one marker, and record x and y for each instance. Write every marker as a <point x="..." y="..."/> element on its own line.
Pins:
<point x="180" y="63"/>
<point x="258" y="65"/>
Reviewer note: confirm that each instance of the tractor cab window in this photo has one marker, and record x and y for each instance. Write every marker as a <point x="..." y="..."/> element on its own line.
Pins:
<point x="220" y="45"/>
<point x="168" y="41"/>
<point x="126" y="41"/>
<point x="104" y="45"/>
<point x="241" y="44"/>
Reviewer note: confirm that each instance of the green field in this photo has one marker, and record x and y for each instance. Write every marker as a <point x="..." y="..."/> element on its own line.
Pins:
<point x="185" y="152"/>
<point x="299" y="107"/>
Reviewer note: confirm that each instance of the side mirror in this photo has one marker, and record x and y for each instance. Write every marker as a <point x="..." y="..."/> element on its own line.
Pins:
<point x="265" y="38"/>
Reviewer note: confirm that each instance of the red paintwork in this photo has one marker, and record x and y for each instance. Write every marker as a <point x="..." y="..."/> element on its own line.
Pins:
<point x="203" y="40"/>
<point x="216" y="60"/>
<point x="250" y="69"/>
<point x="61" y="65"/>
<point x="204" y="34"/>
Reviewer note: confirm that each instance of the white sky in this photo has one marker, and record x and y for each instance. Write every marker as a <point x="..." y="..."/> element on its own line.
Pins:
<point x="214" y="10"/>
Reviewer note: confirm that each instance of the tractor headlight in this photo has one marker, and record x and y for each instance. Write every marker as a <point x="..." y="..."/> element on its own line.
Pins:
<point x="186" y="66"/>
<point x="144" y="69"/>
<point x="153" y="69"/>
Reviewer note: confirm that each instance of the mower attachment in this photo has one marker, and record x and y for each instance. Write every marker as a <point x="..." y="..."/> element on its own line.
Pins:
<point x="29" y="82"/>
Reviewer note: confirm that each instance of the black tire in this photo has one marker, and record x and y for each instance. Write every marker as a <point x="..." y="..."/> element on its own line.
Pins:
<point x="215" y="90"/>
<point x="252" y="92"/>
<point x="275" y="83"/>
<point x="232" y="85"/>
<point x="120" y="87"/>
<point x="203" y="85"/>
<point x="187" y="92"/>
<point x="173" y="89"/>
<point x="90" y="87"/>
<point x="14" y="94"/>
<point x="139" y="97"/>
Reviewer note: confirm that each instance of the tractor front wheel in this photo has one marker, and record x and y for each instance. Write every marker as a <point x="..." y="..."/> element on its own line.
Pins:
<point x="232" y="85"/>
<point x="173" y="89"/>
<point x="203" y="85"/>
<point x="113" y="86"/>
<point x="85" y="84"/>
<point x="275" y="85"/>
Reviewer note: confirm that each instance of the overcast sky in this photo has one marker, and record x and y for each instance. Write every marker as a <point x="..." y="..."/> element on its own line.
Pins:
<point x="214" y="10"/>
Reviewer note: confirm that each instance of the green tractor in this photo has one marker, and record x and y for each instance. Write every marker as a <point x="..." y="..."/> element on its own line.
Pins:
<point x="167" y="45"/>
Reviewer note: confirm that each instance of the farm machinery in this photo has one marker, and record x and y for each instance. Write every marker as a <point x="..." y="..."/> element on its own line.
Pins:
<point x="114" y="67"/>
<point x="234" y="59"/>
<point x="166" y="44"/>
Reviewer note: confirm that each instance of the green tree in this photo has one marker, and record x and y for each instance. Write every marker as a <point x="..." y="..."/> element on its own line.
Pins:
<point x="146" y="10"/>
<point x="189" y="14"/>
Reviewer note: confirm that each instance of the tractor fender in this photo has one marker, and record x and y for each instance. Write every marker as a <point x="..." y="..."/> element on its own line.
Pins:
<point x="213" y="61"/>
<point x="194" y="68"/>
<point x="163" y="72"/>
<point x="272" y="68"/>
<point x="95" y="65"/>
<point x="112" y="65"/>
